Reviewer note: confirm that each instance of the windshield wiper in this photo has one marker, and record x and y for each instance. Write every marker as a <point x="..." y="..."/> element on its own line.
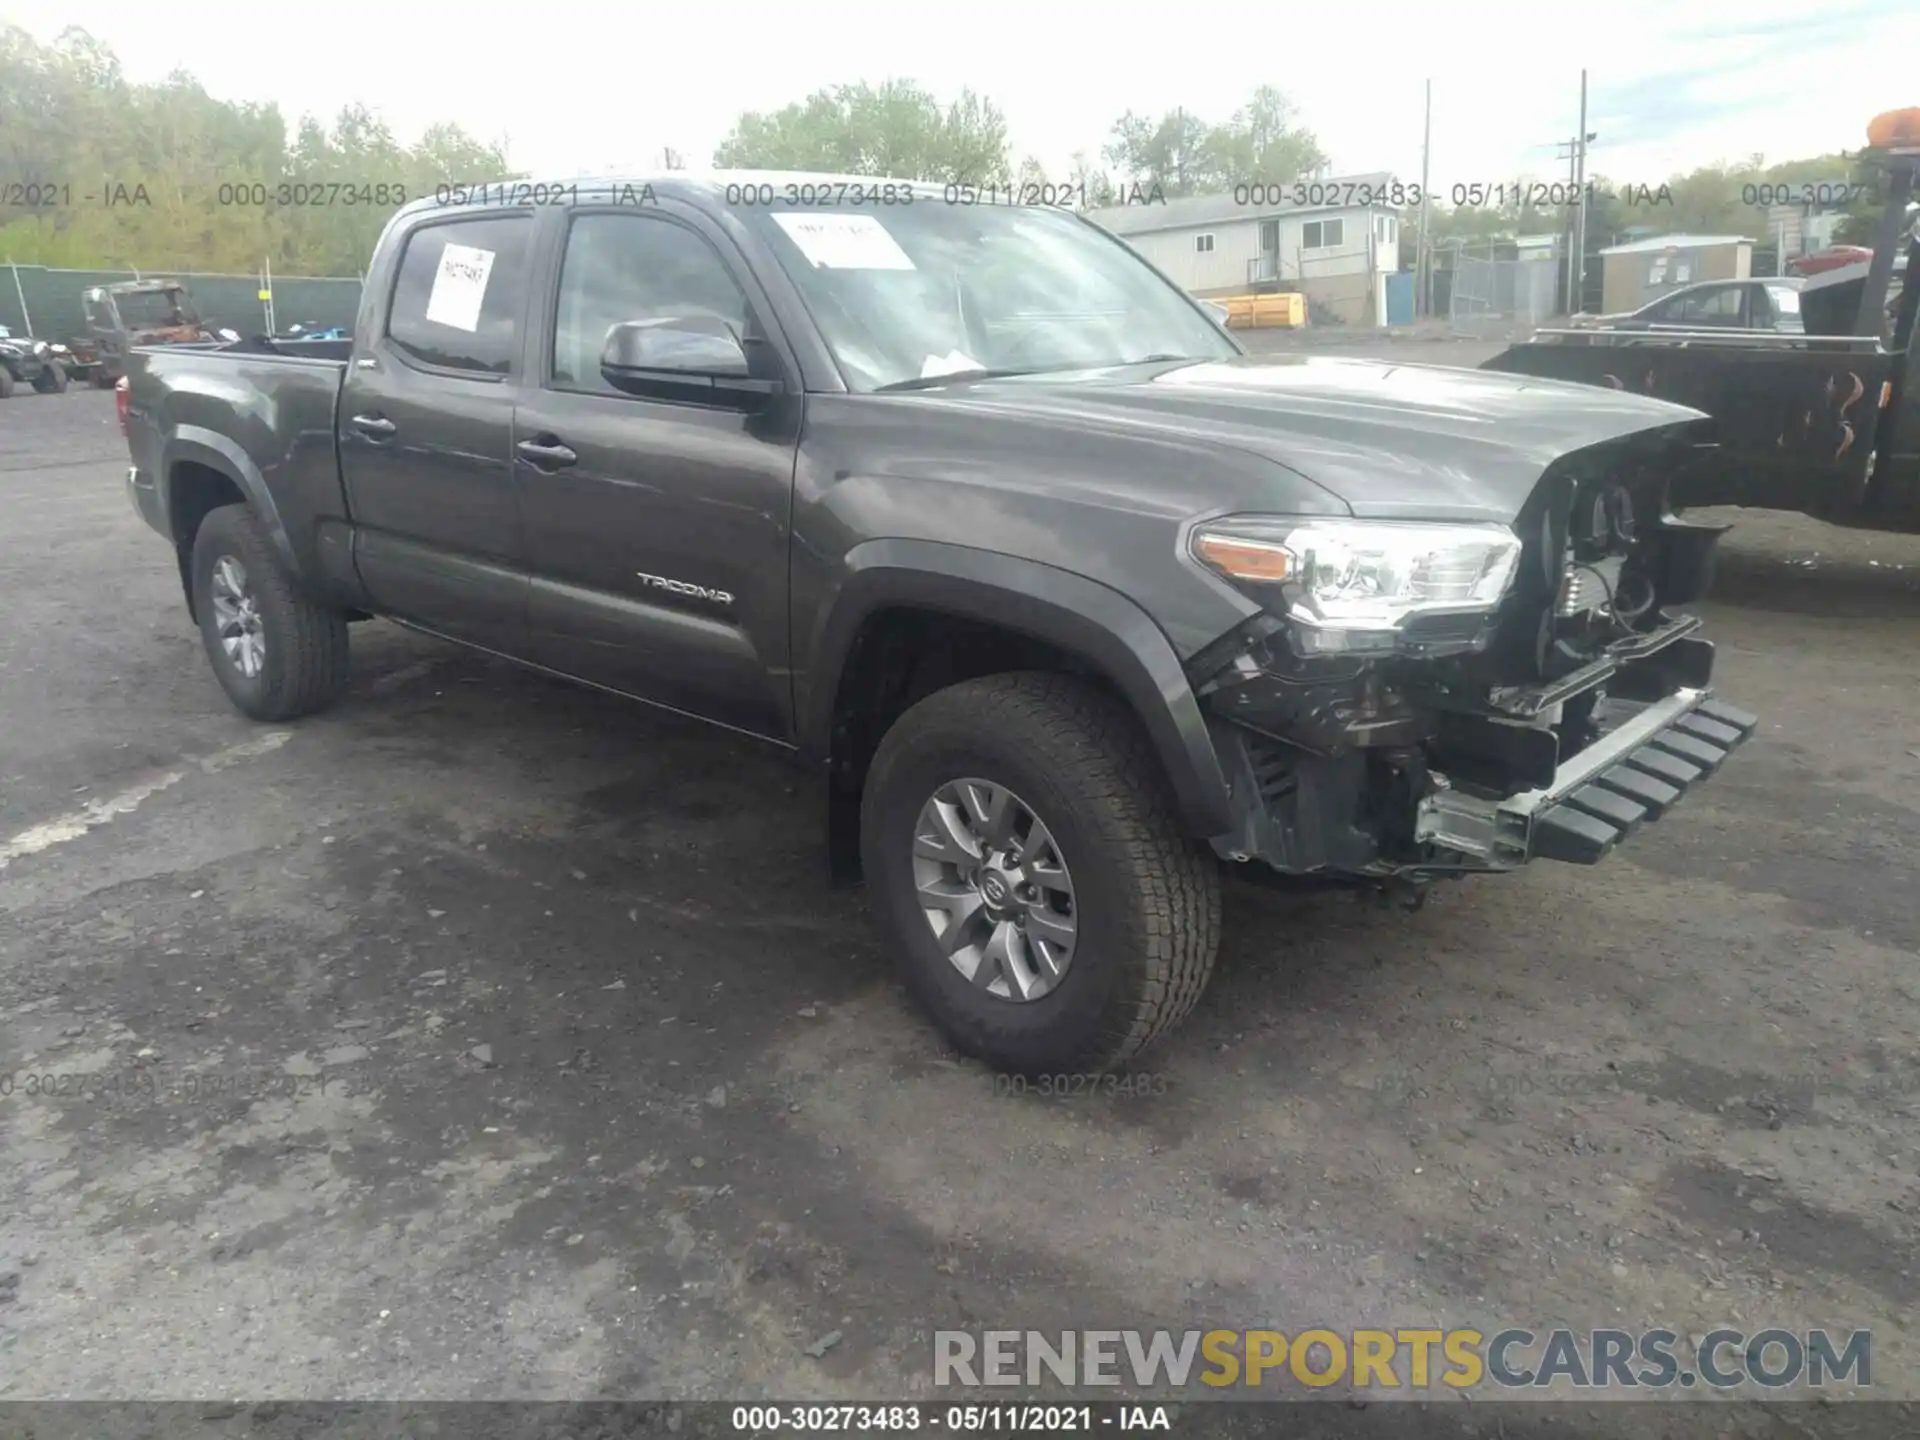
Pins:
<point x="924" y="382"/>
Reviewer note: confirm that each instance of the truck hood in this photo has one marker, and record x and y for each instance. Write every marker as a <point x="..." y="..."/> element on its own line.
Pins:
<point x="1386" y="439"/>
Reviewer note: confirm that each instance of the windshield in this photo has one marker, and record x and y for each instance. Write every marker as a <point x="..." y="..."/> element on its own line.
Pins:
<point x="905" y="292"/>
<point x="147" y="309"/>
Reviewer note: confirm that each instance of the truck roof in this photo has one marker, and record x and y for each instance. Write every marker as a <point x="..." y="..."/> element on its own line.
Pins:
<point x="132" y="287"/>
<point x="706" y="184"/>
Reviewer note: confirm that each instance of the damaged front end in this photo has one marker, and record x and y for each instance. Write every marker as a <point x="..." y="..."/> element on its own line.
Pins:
<point x="1469" y="698"/>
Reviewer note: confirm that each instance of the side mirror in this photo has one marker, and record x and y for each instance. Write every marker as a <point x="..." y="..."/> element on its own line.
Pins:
<point x="1221" y="315"/>
<point x="694" y="358"/>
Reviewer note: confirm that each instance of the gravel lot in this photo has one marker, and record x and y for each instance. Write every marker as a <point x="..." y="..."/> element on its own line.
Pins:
<point x="488" y="1037"/>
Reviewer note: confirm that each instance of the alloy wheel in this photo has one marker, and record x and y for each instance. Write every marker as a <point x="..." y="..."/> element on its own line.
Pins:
<point x="236" y="616"/>
<point x="995" y="889"/>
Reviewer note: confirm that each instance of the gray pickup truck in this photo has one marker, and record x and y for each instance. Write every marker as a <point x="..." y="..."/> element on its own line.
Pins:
<point x="1072" y="604"/>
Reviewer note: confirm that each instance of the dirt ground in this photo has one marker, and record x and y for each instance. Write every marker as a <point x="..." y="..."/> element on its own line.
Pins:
<point x="487" y="1037"/>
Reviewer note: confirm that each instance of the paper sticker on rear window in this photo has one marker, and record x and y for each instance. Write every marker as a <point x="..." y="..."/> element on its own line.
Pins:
<point x="459" y="287"/>
<point x="834" y="241"/>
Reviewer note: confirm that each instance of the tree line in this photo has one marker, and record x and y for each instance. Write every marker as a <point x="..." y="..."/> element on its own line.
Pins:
<point x="97" y="172"/>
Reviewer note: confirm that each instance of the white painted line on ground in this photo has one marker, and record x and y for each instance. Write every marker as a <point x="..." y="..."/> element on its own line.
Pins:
<point x="36" y="838"/>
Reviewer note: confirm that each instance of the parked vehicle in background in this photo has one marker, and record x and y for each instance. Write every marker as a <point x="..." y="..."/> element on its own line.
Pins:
<point x="25" y="361"/>
<point x="1825" y="420"/>
<point x="1771" y="304"/>
<point x="82" y="359"/>
<point x="141" y="312"/>
<point x="1069" y="601"/>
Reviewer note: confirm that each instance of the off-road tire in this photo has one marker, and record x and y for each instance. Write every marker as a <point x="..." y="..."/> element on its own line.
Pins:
<point x="305" y="668"/>
<point x="6" y="383"/>
<point x="1147" y="898"/>
<point x="51" y="380"/>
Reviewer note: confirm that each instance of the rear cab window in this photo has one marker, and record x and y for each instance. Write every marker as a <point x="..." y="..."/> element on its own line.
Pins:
<point x="457" y="294"/>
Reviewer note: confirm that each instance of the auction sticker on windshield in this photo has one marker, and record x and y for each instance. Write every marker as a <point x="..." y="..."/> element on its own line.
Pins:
<point x="844" y="242"/>
<point x="459" y="287"/>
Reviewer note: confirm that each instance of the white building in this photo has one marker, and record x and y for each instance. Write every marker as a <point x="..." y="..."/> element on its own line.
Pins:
<point x="1314" y="236"/>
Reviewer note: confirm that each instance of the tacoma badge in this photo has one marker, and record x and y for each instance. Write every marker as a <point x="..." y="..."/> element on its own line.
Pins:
<point x="684" y="587"/>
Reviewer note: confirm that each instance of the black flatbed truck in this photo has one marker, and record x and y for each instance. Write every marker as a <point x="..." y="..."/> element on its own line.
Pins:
<point x="1827" y="423"/>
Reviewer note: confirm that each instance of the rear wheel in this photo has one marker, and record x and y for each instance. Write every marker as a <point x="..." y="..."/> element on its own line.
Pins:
<point x="52" y="380"/>
<point x="6" y="382"/>
<point x="277" y="654"/>
<point x="1044" y="904"/>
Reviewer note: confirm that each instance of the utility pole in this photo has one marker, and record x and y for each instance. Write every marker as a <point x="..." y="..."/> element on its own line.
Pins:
<point x="1571" y="154"/>
<point x="1422" y="264"/>
<point x="1576" y="302"/>
<point x="1574" y="152"/>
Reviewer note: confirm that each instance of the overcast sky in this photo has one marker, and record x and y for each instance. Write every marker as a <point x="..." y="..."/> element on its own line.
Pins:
<point x="577" y="87"/>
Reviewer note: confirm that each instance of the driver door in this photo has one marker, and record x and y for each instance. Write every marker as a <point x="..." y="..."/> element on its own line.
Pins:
<point x="656" y="530"/>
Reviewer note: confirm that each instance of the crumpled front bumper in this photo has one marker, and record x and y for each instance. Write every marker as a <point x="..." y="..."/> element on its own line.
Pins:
<point x="1637" y="771"/>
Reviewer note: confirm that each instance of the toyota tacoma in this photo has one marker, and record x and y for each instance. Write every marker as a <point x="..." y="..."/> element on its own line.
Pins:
<point x="1071" y="604"/>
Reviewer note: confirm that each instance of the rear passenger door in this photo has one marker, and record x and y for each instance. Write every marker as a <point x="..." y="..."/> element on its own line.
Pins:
<point x="426" y="421"/>
<point x="657" y="529"/>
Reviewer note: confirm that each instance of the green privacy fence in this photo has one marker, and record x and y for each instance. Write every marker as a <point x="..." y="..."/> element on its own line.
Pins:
<point x="53" y="310"/>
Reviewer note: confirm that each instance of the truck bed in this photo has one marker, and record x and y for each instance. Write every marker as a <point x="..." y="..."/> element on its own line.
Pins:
<point x="1796" y="413"/>
<point x="249" y="412"/>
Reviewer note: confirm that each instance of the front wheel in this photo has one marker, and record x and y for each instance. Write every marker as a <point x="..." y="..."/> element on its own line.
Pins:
<point x="6" y="382"/>
<point x="50" y="381"/>
<point x="1045" y="906"/>
<point x="277" y="654"/>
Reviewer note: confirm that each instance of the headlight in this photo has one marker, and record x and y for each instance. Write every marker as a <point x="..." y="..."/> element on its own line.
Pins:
<point x="40" y="347"/>
<point x="1355" y="584"/>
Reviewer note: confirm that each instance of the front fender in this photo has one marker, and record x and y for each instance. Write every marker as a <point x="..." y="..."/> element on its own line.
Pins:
<point x="1078" y="615"/>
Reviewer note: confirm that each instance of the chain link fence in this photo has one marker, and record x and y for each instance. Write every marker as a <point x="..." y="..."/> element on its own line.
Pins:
<point x="1497" y="292"/>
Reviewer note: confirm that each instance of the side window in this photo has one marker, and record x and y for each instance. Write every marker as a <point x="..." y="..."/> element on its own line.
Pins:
<point x="456" y="302"/>
<point x="1323" y="234"/>
<point x="1662" y="312"/>
<point x="1719" y="306"/>
<point x="633" y="267"/>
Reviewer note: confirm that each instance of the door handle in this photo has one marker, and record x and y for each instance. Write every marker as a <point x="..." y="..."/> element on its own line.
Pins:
<point x="373" y="426"/>
<point x="546" y="454"/>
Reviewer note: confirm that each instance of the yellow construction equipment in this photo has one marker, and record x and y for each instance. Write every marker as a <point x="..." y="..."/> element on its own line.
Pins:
<point x="1252" y="312"/>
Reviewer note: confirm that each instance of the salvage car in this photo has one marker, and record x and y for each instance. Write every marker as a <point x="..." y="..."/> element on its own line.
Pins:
<point x="1824" y="421"/>
<point x="1071" y="604"/>
<point x="1771" y="304"/>
<point x="27" y="361"/>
